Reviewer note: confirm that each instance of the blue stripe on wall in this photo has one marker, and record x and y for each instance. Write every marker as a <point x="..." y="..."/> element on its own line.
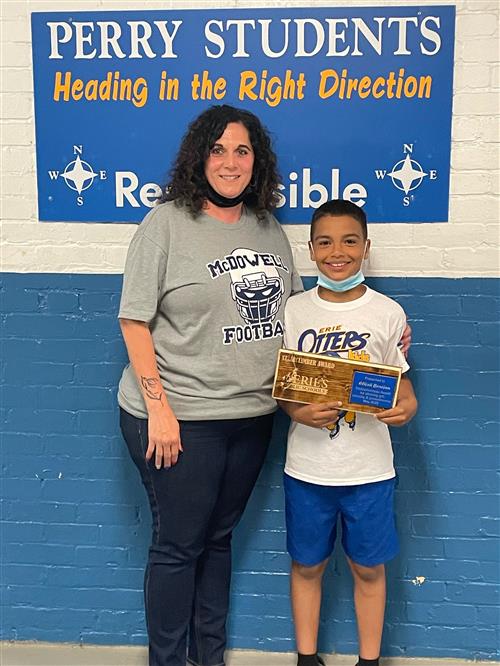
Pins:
<point x="76" y="525"/>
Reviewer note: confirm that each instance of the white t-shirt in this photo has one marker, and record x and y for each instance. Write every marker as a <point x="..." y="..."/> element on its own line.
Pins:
<point x="358" y="450"/>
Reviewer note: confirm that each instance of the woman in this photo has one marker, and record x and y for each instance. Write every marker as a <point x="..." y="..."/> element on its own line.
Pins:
<point x="206" y="279"/>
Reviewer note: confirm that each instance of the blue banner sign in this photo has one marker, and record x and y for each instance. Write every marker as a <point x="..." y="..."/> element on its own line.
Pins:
<point x="358" y="101"/>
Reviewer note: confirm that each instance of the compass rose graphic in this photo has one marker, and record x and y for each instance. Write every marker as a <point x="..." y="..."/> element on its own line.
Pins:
<point x="407" y="175"/>
<point x="78" y="175"/>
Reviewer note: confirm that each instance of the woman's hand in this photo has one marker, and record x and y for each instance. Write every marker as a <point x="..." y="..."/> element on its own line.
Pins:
<point x="164" y="441"/>
<point x="315" y="415"/>
<point x="405" y="408"/>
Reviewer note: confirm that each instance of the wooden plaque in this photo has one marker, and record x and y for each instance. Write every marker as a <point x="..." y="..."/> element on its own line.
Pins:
<point x="361" y="387"/>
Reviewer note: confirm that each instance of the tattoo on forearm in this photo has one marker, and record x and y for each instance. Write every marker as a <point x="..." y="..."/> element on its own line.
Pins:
<point x="152" y="387"/>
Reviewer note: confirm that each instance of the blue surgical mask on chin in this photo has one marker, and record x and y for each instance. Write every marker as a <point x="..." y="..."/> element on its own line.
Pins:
<point x="341" y="285"/>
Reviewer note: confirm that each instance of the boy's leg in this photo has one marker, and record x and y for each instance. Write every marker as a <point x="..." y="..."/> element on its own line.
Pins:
<point x="305" y="588"/>
<point x="369" y="602"/>
<point x="370" y="539"/>
<point x="311" y="519"/>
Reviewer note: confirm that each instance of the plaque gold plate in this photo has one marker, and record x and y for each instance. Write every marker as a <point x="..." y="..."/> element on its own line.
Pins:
<point x="315" y="378"/>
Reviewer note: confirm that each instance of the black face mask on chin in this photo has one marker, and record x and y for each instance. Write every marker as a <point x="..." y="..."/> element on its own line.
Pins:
<point x="224" y="202"/>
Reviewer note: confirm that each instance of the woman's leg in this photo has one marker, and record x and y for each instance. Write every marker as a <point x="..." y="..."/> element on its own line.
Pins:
<point x="369" y="602"/>
<point x="182" y="500"/>
<point x="305" y="587"/>
<point x="247" y="444"/>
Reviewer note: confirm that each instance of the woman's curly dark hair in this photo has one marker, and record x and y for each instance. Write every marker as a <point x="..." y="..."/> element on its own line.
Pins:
<point x="188" y="185"/>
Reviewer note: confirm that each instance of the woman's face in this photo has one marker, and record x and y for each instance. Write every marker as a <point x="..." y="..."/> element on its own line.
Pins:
<point x="229" y="166"/>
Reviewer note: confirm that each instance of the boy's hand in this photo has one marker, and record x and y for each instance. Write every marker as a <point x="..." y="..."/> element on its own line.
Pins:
<point x="405" y="408"/>
<point x="315" y="415"/>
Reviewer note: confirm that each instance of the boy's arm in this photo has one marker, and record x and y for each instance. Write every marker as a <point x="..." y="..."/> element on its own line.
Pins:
<point x="406" y="406"/>
<point x="314" y="415"/>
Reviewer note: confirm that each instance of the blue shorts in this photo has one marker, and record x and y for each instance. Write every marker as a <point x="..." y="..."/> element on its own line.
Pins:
<point x="366" y="512"/>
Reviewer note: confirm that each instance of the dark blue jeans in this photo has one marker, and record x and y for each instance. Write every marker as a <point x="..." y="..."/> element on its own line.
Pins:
<point x="195" y="506"/>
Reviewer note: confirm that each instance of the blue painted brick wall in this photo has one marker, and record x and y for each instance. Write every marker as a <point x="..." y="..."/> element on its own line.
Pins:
<point x="75" y="522"/>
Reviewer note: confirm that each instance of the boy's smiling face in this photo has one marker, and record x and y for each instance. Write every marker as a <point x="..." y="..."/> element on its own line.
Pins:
<point x="338" y="246"/>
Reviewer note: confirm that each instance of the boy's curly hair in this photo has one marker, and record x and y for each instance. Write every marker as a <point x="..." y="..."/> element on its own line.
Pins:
<point x="188" y="185"/>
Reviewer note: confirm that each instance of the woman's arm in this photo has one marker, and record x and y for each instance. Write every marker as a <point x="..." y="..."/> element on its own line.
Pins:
<point x="405" y="341"/>
<point x="163" y="428"/>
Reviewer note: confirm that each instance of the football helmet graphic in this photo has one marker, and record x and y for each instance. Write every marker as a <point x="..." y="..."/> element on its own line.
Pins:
<point x="257" y="293"/>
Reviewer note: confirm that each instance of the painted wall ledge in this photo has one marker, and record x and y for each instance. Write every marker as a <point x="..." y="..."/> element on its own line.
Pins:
<point x="62" y="654"/>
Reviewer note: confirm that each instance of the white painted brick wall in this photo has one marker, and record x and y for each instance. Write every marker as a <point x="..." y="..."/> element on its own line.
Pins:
<point x="475" y="128"/>
<point x="475" y="25"/>
<point x="473" y="75"/>
<point x="475" y="103"/>
<point x="495" y="77"/>
<point x="463" y="247"/>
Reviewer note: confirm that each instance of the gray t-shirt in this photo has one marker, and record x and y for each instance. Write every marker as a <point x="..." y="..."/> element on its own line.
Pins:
<point x="213" y="295"/>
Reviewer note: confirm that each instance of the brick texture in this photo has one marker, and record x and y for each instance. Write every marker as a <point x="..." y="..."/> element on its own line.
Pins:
<point x="76" y="523"/>
<point x="101" y="248"/>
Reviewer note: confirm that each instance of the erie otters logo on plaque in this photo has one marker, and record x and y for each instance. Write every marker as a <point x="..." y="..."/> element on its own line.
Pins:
<point x="361" y="387"/>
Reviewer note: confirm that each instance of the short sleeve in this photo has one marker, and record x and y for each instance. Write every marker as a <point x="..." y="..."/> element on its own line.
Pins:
<point x="297" y="286"/>
<point x="143" y="279"/>
<point x="288" y="338"/>
<point x="296" y="282"/>
<point x="393" y="354"/>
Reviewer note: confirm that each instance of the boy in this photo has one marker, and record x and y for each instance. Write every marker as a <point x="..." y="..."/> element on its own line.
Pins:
<point x="340" y="463"/>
